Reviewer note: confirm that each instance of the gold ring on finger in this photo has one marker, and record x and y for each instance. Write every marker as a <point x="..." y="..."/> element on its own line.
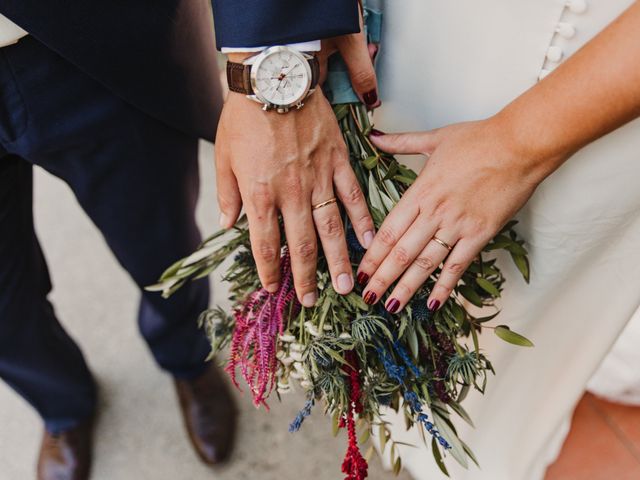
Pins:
<point x="324" y="204"/>
<point x="442" y="242"/>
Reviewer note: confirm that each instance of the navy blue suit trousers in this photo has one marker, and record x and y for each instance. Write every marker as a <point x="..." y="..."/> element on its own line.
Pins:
<point x="137" y="179"/>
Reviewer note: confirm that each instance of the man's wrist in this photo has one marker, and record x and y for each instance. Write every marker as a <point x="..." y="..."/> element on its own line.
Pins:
<point x="239" y="57"/>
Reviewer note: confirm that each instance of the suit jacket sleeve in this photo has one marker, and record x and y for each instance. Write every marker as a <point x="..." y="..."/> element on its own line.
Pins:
<point x="252" y="23"/>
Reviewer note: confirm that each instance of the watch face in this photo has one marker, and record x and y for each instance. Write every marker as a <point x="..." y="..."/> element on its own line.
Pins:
<point x="281" y="76"/>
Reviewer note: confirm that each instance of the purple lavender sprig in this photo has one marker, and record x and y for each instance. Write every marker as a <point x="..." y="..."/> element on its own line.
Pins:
<point x="416" y="408"/>
<point x="302" y="414"/>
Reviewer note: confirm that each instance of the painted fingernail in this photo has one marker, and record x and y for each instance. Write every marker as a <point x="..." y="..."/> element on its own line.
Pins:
<point x="370" y="98"/>
<point x="368" y="238"/>
<point x="373" y="51"/>
<point x="345" y="283"/>
<point x="272" y="287"/>
<point x="363" y="278"/>
<point x="376" y="133"/>
<point x="309" y="299"/>
<point x="434" y="305"/>
<point x="370" y="298"/>
<point x="223" y="220"/>
<point x="393" y="305"/>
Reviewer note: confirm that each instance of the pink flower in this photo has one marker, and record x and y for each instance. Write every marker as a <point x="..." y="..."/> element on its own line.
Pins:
<point x="258" y="324"/>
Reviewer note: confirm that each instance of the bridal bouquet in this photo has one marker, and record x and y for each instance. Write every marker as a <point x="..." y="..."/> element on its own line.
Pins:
<point x="352" y="360"/>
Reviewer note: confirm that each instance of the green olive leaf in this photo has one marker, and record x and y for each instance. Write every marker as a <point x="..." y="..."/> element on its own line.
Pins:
<point x="487" y="286"/>
<point x="509" y="336"/>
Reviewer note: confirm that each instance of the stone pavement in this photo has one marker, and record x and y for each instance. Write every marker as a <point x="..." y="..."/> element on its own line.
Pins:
<point x="140" y="434"/>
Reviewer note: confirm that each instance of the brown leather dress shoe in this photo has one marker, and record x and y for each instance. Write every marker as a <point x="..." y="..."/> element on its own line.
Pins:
<point x="209" y="414"/>
<point x="67" y="455"/>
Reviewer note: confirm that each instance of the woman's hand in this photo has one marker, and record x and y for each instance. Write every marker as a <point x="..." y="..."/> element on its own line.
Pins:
<point x="480" y="174"/>
<point x="473" y="182"/>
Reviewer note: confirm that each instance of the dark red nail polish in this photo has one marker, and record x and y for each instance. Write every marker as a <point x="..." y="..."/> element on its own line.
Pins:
<point x="376" y="133"/>
<point x="370" y="297"/>
<point x="362" y="278"/>
<point x="434" y="305"/>
<point x="393" y="305"/>
<point x="370" y="98"/>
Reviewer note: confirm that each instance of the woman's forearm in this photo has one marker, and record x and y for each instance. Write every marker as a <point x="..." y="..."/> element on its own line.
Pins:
<point x="594" y="92"/>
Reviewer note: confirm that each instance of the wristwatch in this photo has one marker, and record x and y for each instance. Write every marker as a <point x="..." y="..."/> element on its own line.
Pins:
<point x="279" y="78"/>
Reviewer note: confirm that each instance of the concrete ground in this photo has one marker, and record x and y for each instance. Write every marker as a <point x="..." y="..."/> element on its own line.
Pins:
<point x="140" y="434"/>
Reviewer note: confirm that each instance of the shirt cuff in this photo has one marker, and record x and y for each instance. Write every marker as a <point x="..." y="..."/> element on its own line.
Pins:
<point x="312" y="46"/>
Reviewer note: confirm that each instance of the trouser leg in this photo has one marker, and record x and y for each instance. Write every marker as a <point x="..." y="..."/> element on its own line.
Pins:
<point x="136" y="178"/>
<point x="37" y="357"/>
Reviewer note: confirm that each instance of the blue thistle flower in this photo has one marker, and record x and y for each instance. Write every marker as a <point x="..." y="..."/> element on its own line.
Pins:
<point x="302" y="414"/>
<point x="353" y="245"/>
<point x="419" y="308"/>
<point x="406" y="358"/>
<point x="384" y="400"/>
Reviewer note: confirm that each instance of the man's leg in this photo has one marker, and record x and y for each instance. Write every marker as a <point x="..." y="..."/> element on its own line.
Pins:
<point x="144" y="187"/>
<point x="137" y="179"/>
<point x="37" y="357"/>
<point x="140" y="185"/>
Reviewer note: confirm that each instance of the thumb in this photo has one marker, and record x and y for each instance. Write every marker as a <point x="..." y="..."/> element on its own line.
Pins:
<point x="355" y="52"/>
<point x="405" y="143"/>
<point x="229" y="199"/>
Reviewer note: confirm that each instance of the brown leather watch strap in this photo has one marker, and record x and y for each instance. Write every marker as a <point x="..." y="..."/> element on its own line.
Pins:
<point x="239" y="76"/>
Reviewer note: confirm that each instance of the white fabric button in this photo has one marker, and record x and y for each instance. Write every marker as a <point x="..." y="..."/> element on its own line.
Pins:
<point x="543" y="73"/>
<point x="566" y="30"/>
<point x="577" y="6"/>
<point x="554" y="54"/>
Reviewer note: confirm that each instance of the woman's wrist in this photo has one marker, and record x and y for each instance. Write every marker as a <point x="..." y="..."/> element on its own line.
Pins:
<point x="533" y="142"/>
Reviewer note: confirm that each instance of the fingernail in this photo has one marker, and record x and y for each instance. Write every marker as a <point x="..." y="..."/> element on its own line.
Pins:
<point x="434" y="305"/>
<point x="368" y="238"/>
<point x="376" y="133"/>
<point x="223" y="220"/>
<point x="370" y="298"/>
<point x="376" y="50"/>
<point x="393" y="305"/>
<point x="373" y="50"/>
<point x="370" y="98"/>
<point x="272" y="287"/>
<point x="309" y="299"/>
<point x="363" y="278"/>
<point x="345" y="283"/>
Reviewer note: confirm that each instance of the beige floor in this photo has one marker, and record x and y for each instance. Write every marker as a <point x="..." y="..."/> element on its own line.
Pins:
<point x="139" y="434"/>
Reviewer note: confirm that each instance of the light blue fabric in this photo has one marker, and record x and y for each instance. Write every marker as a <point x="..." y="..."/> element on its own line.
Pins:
<point x="337" y="86"/>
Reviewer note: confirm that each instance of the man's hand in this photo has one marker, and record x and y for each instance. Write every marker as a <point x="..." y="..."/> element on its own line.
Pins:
<point x="284" y="163"/>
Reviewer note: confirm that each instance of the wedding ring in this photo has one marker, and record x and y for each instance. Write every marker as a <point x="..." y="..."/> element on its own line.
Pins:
<point x="442" y="242"/>
<point x="324" y="204"/>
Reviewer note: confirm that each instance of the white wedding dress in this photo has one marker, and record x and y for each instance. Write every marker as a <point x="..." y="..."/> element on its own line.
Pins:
<point x="447" y="61"/>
